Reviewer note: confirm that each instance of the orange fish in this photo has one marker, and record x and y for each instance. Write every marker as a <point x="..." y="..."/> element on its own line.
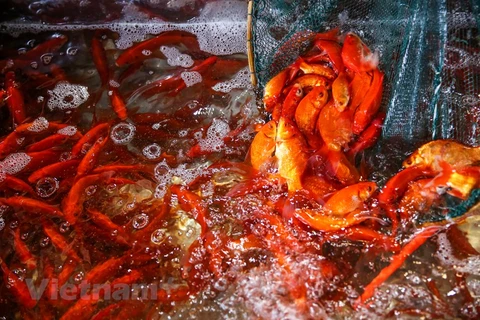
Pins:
<point x="349" y="198"/>
<point x="433" y="153"/>
<point x="333" y="50"/>
<point x="335" y="127"/>
<point x="290" y="153"/>
<point x="357" y="56"/>
<point x="359" y="87"/>
<point x="273" y="90"/>
<point x="370" y="104"/>
<point x="320" y="221"/>
<point x="308" y="110"/>
<point x="340" y="92"/>
<point x="262" y="148"/>
<point x="295" y="94"/>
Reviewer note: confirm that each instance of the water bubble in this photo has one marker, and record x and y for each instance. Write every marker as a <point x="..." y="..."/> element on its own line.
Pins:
<point x="122" y="133"/>
<point x="20" y="273"/>
<point x="78" y="277"/>
<point x="189" y="233"/>
<point x="34" y="65"/>
<point x="146" y="52"/>
<point x="45" y="241"/>
<point x="24" y="236"/>
<point x="46" y="58"/>
<point x="140" y="221"/>
<point x="111" y="187"/>
<point x="40" y="99"/>
<point x="22" y="51"/>
<point x="158" y="236"/>
<point x="3" y="209"/>
<point x="64" y="156"/>
<point x="14" y="224"/>
<point x="46" y="187"/>
<point x="90" y="190"/>
<point x="152" y="151"/>
<point x="72" y="51"/>
<point x="162" y="169"/>
<point x="2" y="223"/>
<point x="130" y="206"/>
<point x="221" y="284"/>
<point x="64" y="227"/>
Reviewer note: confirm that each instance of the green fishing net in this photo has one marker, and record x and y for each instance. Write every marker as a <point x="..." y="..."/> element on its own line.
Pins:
<point x="429" y="51"/>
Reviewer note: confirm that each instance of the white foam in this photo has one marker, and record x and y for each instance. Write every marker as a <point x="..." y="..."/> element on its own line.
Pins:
<point x="67" y="96"/>
<point x="113" y="83"/>
<point x="191" y="78"/>
<point x="176" y="58"/>
<point x="15" y="162"/>
<point x="265" y="290"/>
<point x="220" y="28"/>
<point x="241" y="80"/>
<point x="445" y="254"/>
<point x="38" y="125"/>
<point x="165" y="175"/>
<point x="122" y="133"/>
<point x="68" y="131"/>
<point x="217" y="131"/>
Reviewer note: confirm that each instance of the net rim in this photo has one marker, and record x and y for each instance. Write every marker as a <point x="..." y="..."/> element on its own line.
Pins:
<point x="250" y="52"/>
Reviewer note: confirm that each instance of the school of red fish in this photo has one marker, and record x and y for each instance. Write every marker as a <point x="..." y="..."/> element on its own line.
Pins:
<point x="302" y="173"/>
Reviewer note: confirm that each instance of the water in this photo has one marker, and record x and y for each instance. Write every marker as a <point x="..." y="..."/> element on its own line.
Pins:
<point x="185" y="154"/>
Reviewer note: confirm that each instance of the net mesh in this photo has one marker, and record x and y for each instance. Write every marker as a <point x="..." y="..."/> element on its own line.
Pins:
<point x="430" y="53"/>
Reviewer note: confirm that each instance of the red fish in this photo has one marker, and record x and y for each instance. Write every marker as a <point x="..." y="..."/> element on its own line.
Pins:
<point x="17" y="287"/>
<point x="100" y="59"/>
<point x="92" y="135"/>
<point x="15" y="100"/>
<point x="22" y="251"/>
<point x="32" y="206"/>
<point x="59" y="241"/>
<point x="137" y="52"/>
